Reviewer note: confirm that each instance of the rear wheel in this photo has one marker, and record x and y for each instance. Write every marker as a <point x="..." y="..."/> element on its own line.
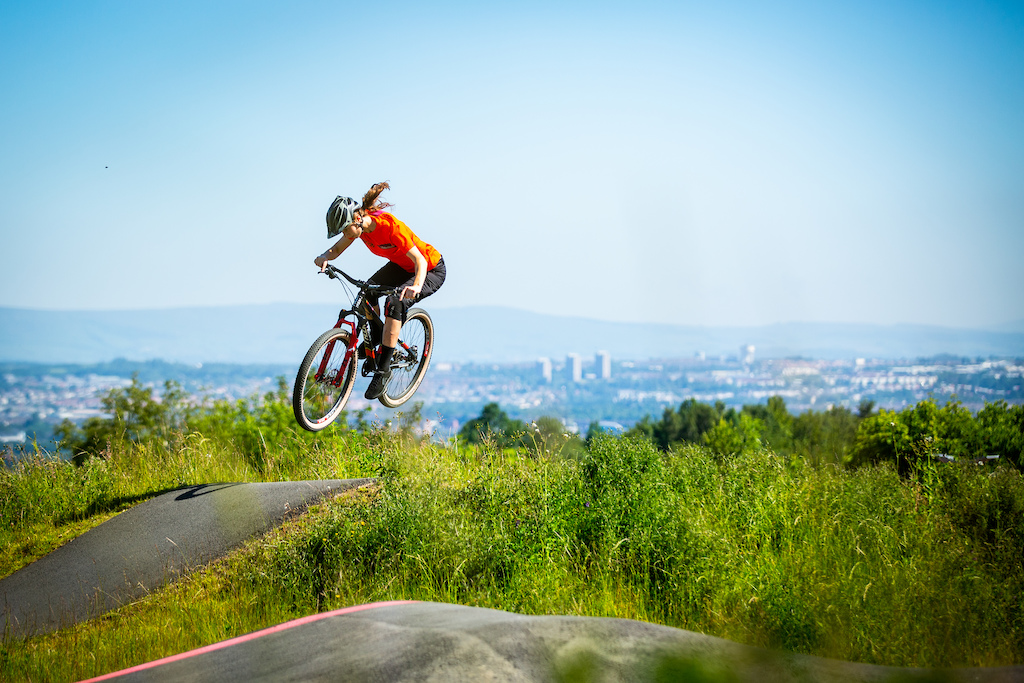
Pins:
<point x="411" y="358"/>
<point x="324" y="381"/>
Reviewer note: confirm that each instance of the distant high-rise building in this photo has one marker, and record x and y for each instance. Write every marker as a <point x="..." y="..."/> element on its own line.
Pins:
<point x="575" y="366"/>
<point x="604" y="362"/>
<point x="545" y="368"/>
<point x="747" y="354"/>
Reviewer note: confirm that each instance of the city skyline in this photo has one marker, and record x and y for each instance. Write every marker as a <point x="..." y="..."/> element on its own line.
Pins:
<point x="34" y="398"/>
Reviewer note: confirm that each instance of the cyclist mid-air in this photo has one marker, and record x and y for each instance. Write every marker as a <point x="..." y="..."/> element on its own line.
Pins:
<point x="414" y="267"/>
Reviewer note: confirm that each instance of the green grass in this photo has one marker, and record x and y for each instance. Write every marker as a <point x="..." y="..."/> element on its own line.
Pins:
<point x="857" y="565"/>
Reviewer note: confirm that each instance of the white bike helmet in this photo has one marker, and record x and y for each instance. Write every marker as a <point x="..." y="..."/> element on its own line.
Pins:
<point x="339" y="216"/>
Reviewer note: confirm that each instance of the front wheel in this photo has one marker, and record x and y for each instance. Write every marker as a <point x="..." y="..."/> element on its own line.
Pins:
<point x="411" y="358"/>
<point x="324" y="381"/>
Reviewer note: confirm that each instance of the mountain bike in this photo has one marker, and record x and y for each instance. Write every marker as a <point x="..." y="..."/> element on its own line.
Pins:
<point x="328" y="372"/>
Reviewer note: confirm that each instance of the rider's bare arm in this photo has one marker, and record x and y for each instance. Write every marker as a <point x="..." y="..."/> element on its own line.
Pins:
<point x="348" y="236"/>
<point x="334" y="252"/>
<point x="421" y="273"/>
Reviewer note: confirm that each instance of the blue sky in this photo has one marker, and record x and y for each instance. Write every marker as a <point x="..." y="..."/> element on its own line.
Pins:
<point x="734" y="163"/>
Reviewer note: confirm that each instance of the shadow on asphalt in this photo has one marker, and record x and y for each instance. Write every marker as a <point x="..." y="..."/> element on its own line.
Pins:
<point x="203" y="490"/>
<point x="113" y="504"/>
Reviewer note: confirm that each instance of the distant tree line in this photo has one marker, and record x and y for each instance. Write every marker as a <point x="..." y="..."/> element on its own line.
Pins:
<point x="825" y="436"/>
<point x="837" y="436"/>
<point x="844" y="437"/>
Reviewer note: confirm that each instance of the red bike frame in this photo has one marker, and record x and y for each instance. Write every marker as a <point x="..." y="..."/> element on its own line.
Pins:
<point x="350" y="350"/>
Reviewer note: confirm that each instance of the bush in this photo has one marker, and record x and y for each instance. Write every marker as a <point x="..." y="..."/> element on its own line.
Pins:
<point x="914" y="434"/>
<point x="687" y="424"/>
<point x="735" y="433"/>
<point x="135" y="415"/>
<point x="493" y="425"/>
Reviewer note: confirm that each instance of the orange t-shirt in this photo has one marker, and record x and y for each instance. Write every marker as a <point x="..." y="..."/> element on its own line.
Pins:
<point x="393" y="239"/>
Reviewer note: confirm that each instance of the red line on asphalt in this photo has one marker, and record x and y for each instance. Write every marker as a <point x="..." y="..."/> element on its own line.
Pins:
<point x="247" y="637"/>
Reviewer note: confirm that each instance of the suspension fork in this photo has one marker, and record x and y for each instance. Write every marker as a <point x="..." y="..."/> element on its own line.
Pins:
<point x="349" y="351"/>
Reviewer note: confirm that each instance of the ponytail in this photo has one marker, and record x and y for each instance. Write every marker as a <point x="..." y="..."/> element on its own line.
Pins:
<point x="370" y="202"/>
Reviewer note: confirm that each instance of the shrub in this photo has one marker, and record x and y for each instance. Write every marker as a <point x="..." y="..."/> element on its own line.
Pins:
<point x="925" y="429"/>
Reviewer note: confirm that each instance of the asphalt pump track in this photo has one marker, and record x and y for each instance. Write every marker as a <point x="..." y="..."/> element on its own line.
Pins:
<point x="147" y="546"/>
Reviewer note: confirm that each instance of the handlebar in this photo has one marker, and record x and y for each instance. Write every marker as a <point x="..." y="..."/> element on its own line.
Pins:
<point x="333" y="273"/>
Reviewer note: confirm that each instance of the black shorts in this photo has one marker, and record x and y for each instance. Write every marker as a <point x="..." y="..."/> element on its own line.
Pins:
<point x="393" y="275"/>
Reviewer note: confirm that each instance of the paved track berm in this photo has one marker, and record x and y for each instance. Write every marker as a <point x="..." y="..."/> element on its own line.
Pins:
<point x="146" y="546"/>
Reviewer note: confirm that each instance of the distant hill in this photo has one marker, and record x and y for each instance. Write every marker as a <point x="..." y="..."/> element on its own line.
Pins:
<point x="1015" y="326"/>
<point x="281" y="333"/>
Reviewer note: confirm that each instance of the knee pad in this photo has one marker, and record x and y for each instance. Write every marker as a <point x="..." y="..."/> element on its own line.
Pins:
<point x="396" y="308"/>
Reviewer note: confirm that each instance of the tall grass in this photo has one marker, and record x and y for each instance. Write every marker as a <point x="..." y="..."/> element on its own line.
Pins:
<point x="863" y="566"/>
<point x="857" y="565"/>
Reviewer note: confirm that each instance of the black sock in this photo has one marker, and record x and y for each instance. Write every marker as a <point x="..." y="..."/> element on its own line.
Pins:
<point x="384" y="358"/>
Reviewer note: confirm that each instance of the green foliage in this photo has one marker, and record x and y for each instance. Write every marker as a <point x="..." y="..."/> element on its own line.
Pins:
<point x="912" y="565"/>
<point x="262" y="431"/>
<point x="776" y="424"/>
<point x="914" y="434"/>
<point x="1002" y="427"/>
<point x="735" y="433"/>
<point x="38" y="488"/>
<point x="881" y="438"/>
<point x="493" y="425"/>
<point x="547" y="437"/>
<point x="726" y="432"/>
<point x="859" y="565"/>
<point x="149" y="446"/>
<point x="135" y="415"/>
<point x="687" y="424"/>
<point x="825" y="437"/>
<point x="865" y="408"/>
<point x="838" y="436"/>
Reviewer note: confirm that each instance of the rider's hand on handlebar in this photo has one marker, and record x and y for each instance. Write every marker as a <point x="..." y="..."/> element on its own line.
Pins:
<point x="411" y="292"/>
<point x="321" y="262"/>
